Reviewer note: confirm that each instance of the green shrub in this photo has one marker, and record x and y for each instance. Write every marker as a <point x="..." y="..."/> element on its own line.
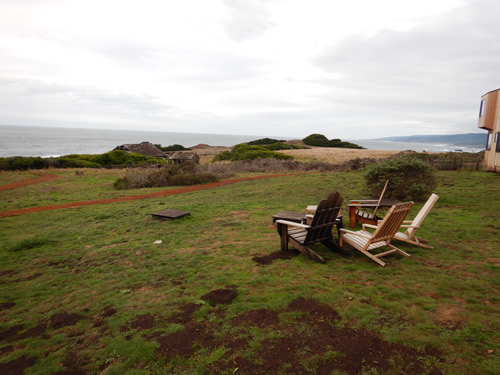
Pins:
<point x="195" y="179"/>
<point x="410" y="178"/>
<point x="22" y="163"/>
<point x="248" y="152"/>
<point x="121" y="183"/>
<point x="73" y="162"/>
<point x="278" y="146"/>
<point x="265" y="141"/>
<point x="115" y="158"/>
<point x="224" y="155"/>
<point x="320" y="140"/>
<point x="174" y="147"/>
<point x="29" y="243"/>
<point x="316" y="140"/>
<point x="176" y="175"/>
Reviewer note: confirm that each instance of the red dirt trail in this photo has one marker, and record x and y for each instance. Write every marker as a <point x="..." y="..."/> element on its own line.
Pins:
<point x="32" y="181"/>
<point x="182" y="190"/>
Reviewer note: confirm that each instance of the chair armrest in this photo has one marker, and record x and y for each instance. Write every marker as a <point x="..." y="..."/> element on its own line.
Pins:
<point x="342" y="230"/>
<point x="291" y="223"/>
<point x="369" y="226"/>
<point x="362" y="204"/>
<point x="410" y="226"/>
<point x="311" y="209"/>
<point x="407" y="221"/>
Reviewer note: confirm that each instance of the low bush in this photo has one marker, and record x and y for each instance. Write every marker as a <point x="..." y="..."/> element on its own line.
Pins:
<point x="29" y="243"/>
<point x="174" y="147"/>
<point x="410" y="178"/>
<point x="278" y="146"/>
<point x="177" y="175"/>
<point x="265" y="141"/>
<point x="320" y="140"/>
<point x="249" y="152"/>
<point x="115" y="158"/>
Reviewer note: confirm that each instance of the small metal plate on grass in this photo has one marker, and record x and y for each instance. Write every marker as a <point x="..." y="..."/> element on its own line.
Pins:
<point x="169" y="214"/>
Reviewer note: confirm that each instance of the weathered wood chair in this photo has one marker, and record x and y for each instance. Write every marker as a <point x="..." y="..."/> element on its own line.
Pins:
<point x="357" y="214"/>
<point x="413" y="225"/>
<point x="365" y="241"/>
<point x="320" y="229"/>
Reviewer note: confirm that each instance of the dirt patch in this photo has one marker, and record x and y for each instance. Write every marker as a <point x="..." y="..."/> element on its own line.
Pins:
<point x="64" y="319"/>
<point x="36" y="331"/>
<point x="313" y="344"/>
<point x="7" y="273"/>
<point x="314" y="310"/>
<point x="72" y="366"/>
<point x="262" y="318"/>
<point x="140" y="323"/>
<point x="182" y="343"/>
<point x="220" y="296"/>
<point x="186" y="313"/>
<point x="6" y="349"/>
<point x="268" y="259"/>
<point x="17" y="366"/>
<point x="106" y="312"/>
<point x="447" y="316"/>
<point x="28" y="278"/>
<point x="6" y="305"/>
<point x="11" y="332"/>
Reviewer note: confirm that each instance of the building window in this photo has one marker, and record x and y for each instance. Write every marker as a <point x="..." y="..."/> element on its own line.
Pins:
<point x="497" y="148"/>
<point x="482" y="108"/>
<point x="488" y="141"/>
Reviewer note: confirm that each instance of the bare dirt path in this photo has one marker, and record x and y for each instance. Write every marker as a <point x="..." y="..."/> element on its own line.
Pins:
<point x="182" y="190"/>
<point x="31" y="181"/>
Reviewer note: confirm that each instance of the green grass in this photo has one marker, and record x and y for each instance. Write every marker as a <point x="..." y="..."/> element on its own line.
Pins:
<point x="83" y="259"/>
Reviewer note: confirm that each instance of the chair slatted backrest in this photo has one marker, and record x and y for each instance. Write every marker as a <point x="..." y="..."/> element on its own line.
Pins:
<point x="324" y="219"/>
<point x="417" y="221"/>
<point x="391" y="223"/>
<point x="380" y="199"/>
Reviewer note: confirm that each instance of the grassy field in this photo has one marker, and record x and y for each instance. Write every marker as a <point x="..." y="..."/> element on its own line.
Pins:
<point x="86" y="290"/>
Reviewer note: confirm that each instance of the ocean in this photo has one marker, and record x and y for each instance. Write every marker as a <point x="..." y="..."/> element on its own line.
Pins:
<point x="374" y="144"/>
<point x="51" y="141"/>
<point x="46" y="142"/>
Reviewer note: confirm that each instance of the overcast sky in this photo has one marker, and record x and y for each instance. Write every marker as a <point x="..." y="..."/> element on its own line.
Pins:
<point x="347" y="69"/>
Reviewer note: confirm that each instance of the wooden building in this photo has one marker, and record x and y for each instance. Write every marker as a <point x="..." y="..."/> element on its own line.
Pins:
<point x="143" y="148"/>
<point x="180" y="157"/>
<point x="489" y="119"/>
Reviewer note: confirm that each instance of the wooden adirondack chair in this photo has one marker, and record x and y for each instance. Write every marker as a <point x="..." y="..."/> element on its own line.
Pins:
<point x="320" y="229"/>
<point x="365" y="241"/>
<point x="413" y="225"/>
<point x="363" y="216"/>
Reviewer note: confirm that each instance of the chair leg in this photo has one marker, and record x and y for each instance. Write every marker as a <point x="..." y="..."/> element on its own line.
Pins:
<point x="421" y="242"/>
<point x="307" y="251"/>
<point x="372" y="257"/>
<point x="399" y="251"/>
<point x="283" y="231"/>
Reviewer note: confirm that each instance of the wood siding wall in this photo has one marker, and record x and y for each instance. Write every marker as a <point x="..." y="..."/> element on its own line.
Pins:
<point x="491" y="110"/>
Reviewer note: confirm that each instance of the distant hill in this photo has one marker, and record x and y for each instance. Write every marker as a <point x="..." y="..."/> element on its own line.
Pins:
<point x="469" y="139"/>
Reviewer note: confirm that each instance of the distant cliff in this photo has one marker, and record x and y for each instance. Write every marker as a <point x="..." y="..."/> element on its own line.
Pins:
<point x="469" y="139"/>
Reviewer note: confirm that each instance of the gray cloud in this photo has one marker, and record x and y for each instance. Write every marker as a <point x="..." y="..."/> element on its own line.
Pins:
<point x="33" y="98"/>
<point x="433" y="74"/>
<point x="247" y="19"/>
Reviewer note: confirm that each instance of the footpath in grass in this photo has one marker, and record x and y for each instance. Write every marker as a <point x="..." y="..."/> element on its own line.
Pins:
<point x="162" y="193"/>
<point x="88" y="290"/>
